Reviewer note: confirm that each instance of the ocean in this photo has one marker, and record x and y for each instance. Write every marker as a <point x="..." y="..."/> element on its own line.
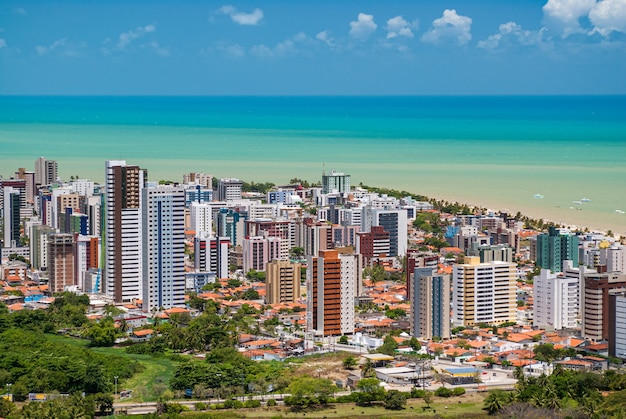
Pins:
<point x="560" y="158"/>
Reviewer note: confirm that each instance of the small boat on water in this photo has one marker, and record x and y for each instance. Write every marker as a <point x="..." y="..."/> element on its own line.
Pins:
<point x="577" y="202"/>
<point x="585" y="200"/>
<point x="538" y="196"/>
<point x="619" y="211"/>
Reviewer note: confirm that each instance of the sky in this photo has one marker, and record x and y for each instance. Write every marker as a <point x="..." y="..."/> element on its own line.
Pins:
<point x="297" y="47"/>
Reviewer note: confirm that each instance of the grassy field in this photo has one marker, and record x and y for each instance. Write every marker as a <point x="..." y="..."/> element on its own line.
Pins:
<point x="146" y="384"/>
<point x="467" y="406"/>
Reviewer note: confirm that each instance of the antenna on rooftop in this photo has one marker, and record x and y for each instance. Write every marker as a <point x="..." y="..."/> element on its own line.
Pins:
<point x="323" y="169"/>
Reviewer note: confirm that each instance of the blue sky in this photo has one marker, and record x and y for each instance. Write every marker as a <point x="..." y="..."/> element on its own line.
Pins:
<point x="293" y="47"/>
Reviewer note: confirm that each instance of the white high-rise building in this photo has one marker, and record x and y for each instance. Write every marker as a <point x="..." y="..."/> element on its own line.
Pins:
<point x="201" y="218"/>
<point x="163" y="218"/>
<point x="556" y="301"/>
<point x="484" y="292"/>
<point x="123" y="252"/>
<point x="229" y="189"/>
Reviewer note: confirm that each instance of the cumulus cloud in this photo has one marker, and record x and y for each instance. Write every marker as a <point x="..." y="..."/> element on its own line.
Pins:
<point x="509" y="33"/>
<point x="242" y="18"/>
<point x="608" y="16"/>
<point x="398" y="26"/>
<point x="363" y="27"/>
<point x="3" y="43"/>
<point x="126" y="38"/>
<point x="451" y="27"/>
<point x="564" y="16"/>
<point x="326" y="38"/>
<point x="19" y="11"/>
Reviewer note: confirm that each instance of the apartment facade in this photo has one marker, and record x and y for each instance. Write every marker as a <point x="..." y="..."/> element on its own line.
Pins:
<point x="484" y="292"/>
<point x="282" y="282"/>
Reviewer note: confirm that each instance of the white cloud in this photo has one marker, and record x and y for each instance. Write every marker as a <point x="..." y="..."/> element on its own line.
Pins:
<point x="608" y="16"/>
<point x="242" y="18"/>
<point x="564" y="16"/>
<point x="3" y="43"/>
<point x="398" y="26"/>
<point x="287" y="47"/>
<point x="363" y="27"/>
<point x="158" y="49"/>
<point x="451" y="27"/>
<point x="511" y="32"/>
<point x="19" y="11"/>
<point x="126" y="38"/>
<point x="43" y="50"/>
<point x="326" y="38"/>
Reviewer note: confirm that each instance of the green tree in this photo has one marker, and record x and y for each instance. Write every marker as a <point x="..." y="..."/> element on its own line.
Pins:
<point x="495" y="401"/>
<point x="350" y="362"/>
<point x="369" y="391"/>
<point x="415" y="344"/>
<point x="343" y="340"/>
<point x="395" y="400"/>
<point x="389" y="346"/>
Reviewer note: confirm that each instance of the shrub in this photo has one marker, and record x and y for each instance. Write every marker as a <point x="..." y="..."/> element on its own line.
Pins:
<point x="252" y="403"/>
<point x="417" y="393"/>
<point x="271" y="402"/>
<point x="200" y="406"/>
<point x="348" y="398"/>
<point x="459" y="391"/>
<point x="443" y="392"/>
<point x="233" y="404"/>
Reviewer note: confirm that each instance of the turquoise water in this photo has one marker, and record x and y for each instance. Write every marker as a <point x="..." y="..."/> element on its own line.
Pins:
<point x="493" y="151"/>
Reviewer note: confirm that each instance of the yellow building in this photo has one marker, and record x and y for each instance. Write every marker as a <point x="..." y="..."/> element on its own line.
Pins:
<point x="483" y="292"/>
<point x="282" y="282"/>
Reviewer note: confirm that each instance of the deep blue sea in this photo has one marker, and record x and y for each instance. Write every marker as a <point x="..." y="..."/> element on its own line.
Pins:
<point x="494" y="151"/>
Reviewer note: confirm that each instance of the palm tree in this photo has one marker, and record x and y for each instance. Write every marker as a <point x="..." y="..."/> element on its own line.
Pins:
<point x="494" y="402"/>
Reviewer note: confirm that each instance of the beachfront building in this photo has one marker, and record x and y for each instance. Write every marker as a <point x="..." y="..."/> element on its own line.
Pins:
<point x="429" y="295"/>
<point x="229" y="189"/>
<point x="46" y="172"/>
<point x="282" y="282"/>
<point x="163" y="247"/>
<point x="86" y="259"/>
<point x="556" y="301"/>
<point x="553" y="248"/>
<point x="60" y="262"/>
<point x="483" y="292"/>
<point x="200" y="179"/>
<point x="123" y="254"/>
<point x="595" y="302"/>
<point x="335" y="182"/>
<point x="332" y="284"/>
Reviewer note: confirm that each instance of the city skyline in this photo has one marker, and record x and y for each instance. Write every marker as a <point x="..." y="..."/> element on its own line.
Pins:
<point x="293" y="48"/>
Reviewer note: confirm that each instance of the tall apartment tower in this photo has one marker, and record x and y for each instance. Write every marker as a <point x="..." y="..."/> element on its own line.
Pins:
<point x="617" y="324"/>
<point x="163" y="247"/>
<point x="282" y="282"/>
<point x="483" y="292"/>
<point x="123" y="254"/>
<point x="45" y="171"/>
<point x="430" y="304"/>
<point x="553" y="248"/>
<point x="335" y="181"/>
<point x="201" y="218"/>
<point x="556" y="301"/>
<point x="595" y="302"/>
<point x="60" y="261"/>
<point x="211" y="255"/>
<point x="229" y="189"/>
<point x="393" y="221"/>
<point x="29" y="180"/>
<point x="258" y="251"/>
<point x="373" y="244"/>
<point x="11" y="216"/>
<point x="332" y="284"/>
